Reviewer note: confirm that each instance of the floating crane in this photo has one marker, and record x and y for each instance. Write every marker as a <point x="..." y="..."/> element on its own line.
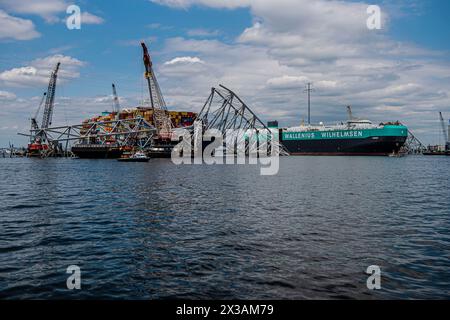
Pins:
<point x="39" y="143"/>
<point x="116" y="104"/>
<point x="444" y="131"/>
<point x="350" y="113"/>
<point x="161" y="118"/>
<point x="50" y="100"/>
<point x="34" y="124"/>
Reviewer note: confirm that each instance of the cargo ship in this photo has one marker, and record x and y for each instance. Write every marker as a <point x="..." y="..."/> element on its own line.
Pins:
<point x="104" y="142"/>
<point x="97" y="151"/>
<point x="355" y="137"/>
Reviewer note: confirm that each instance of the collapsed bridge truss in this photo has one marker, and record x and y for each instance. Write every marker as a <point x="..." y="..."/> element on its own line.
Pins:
<point x="413" y="145"/>
<point x="225" y="111"/>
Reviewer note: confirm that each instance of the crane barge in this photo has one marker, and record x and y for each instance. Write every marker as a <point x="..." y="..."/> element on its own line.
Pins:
<point x="39" y="142"/>
<point x="444" y="133"/>
<point x="116" y="104"/>
<point x="437" y="151"/>
<point x="162" y="145"/>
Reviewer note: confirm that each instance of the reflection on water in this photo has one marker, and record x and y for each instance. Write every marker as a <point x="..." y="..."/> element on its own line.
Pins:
<point x="156" y="230"/>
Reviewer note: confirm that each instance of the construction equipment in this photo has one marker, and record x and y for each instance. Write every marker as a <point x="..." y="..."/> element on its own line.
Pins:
<point x="39" y="144"/>
<point x="34" y="124"/>
<point x="116" y="105"/>
<point x="161" y="117"/>
<point x="308" y="90"/>
<point x="350" y="113"/>
<point x="448" y="137"/>
<point x="50" y="100"/>
<point x="444" y="131"/>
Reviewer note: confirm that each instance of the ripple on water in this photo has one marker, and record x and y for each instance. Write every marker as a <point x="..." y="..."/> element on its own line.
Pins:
<point x="164" y="231"/>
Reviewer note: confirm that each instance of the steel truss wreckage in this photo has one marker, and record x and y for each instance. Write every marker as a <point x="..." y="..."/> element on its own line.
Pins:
<point x="413" y="145"/>
<point x="126" y="132"/>
<point x="225" y="112"/>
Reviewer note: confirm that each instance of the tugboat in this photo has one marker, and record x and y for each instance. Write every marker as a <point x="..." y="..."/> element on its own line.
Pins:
<point x="136" y="157"/>
<point x="397" y="155"/>
<point x="36" y="148"/>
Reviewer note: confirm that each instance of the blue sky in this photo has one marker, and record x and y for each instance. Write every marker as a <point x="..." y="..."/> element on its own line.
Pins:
<point x="265" y="50"/>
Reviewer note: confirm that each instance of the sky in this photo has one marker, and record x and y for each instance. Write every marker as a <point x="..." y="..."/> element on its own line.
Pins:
<point x="265" y="50"/>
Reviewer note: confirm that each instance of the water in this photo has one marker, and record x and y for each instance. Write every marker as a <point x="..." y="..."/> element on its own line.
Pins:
<point x="156" y="230"/>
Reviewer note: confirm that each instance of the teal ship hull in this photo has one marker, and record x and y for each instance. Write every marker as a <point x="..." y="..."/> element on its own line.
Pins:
<point x="377" y="141"/>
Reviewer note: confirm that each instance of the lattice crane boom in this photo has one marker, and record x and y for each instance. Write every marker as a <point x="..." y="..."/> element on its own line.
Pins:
<point x="161" y="117"/>
<point x="156" y="97"/>
<point x="116" y="104"/>
<point x="34" y="124"/>
<point x="350" y="113"/>
<point x="444" y="131"/>
<point x="50" y="100"/>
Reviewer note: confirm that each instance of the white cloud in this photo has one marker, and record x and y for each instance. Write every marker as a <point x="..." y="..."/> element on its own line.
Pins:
<point x="5" y="95"/>
<point x="89" y="18"/>
<point x="229" y="4"/>
<point x="183" y="67"/>
<point x="16" y="28"/>
<point x="47" y="9"/>
<point x="181" y="60"/>
<point x="326" y="84"/>
<point x="287" y="82"/>
<point x="23" y="73"/>
<point x="154" y="25"/>
<point x="203" y="33"/>
<point x="106" y="101"/>
<point x="38" y="72"/>
<point x="401" y="89"/>
<point x="158" y="26"/>
<point x="310" y="17"/>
